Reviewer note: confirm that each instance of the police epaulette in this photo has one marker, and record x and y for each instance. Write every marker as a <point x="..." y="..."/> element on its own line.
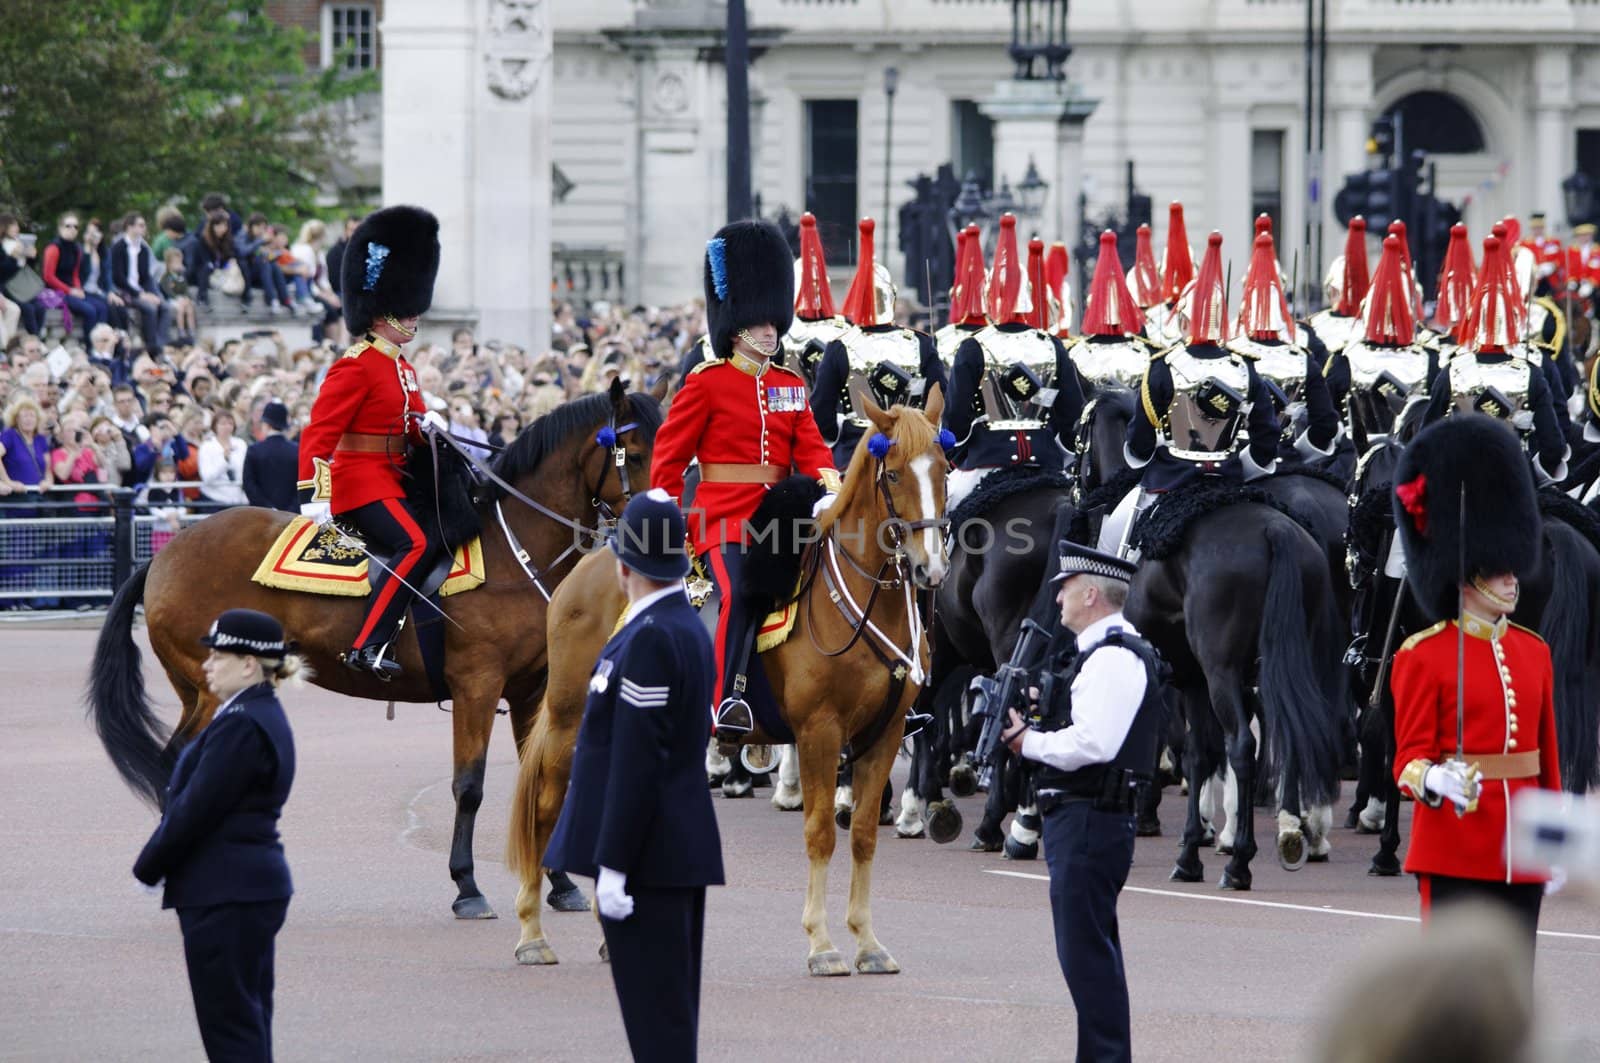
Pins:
<point x="1426" y="633"/>
<point x="355" y="349"/>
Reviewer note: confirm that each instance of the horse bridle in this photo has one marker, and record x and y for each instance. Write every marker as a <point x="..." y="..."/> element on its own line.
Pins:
<point x="610" y="437"/>
<point x="900" y="530"/>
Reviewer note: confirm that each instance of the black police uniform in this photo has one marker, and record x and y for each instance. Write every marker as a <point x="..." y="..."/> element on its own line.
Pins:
<point x="217" y="848"/>
<point x="1088" y="843"/>
<point x="833" y="376"/>
<point x="638" y="804"/>
<point x="272" y="473"/>
<point x="981" y="447"/>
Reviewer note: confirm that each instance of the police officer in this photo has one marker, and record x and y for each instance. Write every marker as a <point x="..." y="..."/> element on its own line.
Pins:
<point x="217" y="846"/>
<point x="1097" y="745"/>
<point x="638" y="817"/>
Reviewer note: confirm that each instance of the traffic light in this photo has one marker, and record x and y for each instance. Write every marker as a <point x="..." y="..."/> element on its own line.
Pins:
<point x="1374" y="194"/>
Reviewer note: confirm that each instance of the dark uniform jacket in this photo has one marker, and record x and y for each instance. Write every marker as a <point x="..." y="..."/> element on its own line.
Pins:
<point x="979" y="446"/>
<point x="1547" y="442"/>
<point x="218" y="839"/>
<point x="272" y="473"/>
<point x="1162" y="471"/>
<point x="638" y="802"/>
<point x="833" y="375"/>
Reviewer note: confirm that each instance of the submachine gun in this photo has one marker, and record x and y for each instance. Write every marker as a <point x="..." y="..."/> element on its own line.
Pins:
<point x="996" y="695"/>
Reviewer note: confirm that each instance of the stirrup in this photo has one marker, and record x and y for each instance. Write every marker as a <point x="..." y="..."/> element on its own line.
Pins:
<point x="915" y="722"/>
<point x="734" y="720"/>
<point x="370" y="659"/>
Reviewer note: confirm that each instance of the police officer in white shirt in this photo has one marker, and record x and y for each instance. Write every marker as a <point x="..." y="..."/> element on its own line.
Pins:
<point x="1095" y="743"/>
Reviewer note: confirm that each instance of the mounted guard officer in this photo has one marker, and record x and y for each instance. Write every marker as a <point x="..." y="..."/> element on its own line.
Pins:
<point x="1373" y="378"/>
<point x="1493" y="375"/>
<point x="816" y="322"/>
<point x="1144" y="278"/>
<point x="1113" y="351"/>
<point x="874" y="356"/>
<point x="1015" y="396"/>
<point x="1458" y="279"/>
<point x="966" y="296"/>
<point x="368" y="409"/>
<point x="1267" y="336"/>
<point x="1203" y="410"/>
<point x="1177" y="273"/>
<point x="1473" y="694"/>
<point x="1345" y="288"/>
<point x="747" y="420"/>
<point x="1063" y="308"/>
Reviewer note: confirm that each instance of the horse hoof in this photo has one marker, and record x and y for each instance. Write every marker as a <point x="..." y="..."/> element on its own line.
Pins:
<point x="1015" y="850"/>
<point x="1234" y="883"/>
<point x="1225" y="849"/>
<point x="787" y="800"/>
<point x="1184" y="874"/>
<point x="876" y="961"/>
<point x="1384" y="866"/>
<point x="1292" y="850"/>
<point x="1351" y="820"/>
<point x="473" y="908"/>
<point x="963" y="780"/>
<point x="740" y="788"/>
<point x="886" y="817"/>
<point x="981" y="845"/>
<point x="1208" y="837"/>
<point x="536" y="953"/>
<point x="1317" y="858"/>
<point x="944" y="822"/>
<point x="827" y="964"/>
<point x="916" y="832"/>
<point x="568" y="900"/>
<point x="841" y="816"/>
<point x="1148" y="828"/>
<point x="715" y="780"/>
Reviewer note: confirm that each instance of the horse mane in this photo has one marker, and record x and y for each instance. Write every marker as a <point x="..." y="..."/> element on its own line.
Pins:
<point x="912" y="432"/>
<point x="1117" y="398"/>
<point x="549" y="433"/>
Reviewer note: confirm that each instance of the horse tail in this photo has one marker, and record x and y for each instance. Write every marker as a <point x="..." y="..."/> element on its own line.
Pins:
<point x="521" y="837"/>
<point x="1299" y="688"/>
<point x="1566" y="629"/>
<point x="134" y="738"/>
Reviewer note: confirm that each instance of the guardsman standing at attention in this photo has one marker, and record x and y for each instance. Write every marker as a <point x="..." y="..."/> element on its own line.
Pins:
<point x="874" y="356"/>
<point x="217" y="849"/>
<point x="638" y="817"/>
<point x="1468" y="741"/>
<point x="748" y="421"/>
<point x="1096" y="745"/>
<point x="367" y="411"/>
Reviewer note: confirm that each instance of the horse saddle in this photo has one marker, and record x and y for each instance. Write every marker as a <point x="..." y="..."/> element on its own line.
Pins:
<point x="333" y="560"/>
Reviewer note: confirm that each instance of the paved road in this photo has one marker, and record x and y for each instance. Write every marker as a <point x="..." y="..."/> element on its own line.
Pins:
<point x="372" y="967"/>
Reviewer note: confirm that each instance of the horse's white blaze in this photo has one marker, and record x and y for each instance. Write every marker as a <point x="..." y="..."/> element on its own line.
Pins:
<point x="932" y="544"/>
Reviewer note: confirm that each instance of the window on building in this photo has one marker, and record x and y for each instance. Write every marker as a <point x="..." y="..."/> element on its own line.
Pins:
<point x="832" y="144"/>
<point x="1266" y="175"/>
<point x="350" y="35"/>
<point x="972" y="142"/>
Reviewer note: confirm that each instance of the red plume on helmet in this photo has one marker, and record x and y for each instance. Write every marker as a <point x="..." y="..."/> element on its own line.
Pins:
<point x="813" y="298"/>
<point x="1513" y="233"/>
<point x="1493" y="320"/>
<point x="1390" y="321"/>
<point x="1208" y="303"/>
<point x="1111" y="310"/>
<point x="1144" y="278"/>
<point x="1398" y="228"/>
<point x="1057" y="263"/>
<point x="1177" y="264"/>
<point x="1264" y="314"/>
<point x="966" y="301"/>
<point x="1039" y="317"/>
<point x="1353" y="288"/>
<point x="1457" y="279"/>
<point x="1008" y="292"/>
<point x="860" y="305"/>
<point x="1263" y="224"/>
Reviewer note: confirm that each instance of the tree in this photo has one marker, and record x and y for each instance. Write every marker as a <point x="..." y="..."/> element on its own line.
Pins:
<point x="111" y="105"/>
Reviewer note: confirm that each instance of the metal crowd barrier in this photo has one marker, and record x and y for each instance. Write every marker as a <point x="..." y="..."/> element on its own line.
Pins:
<point x="60" y="550"/>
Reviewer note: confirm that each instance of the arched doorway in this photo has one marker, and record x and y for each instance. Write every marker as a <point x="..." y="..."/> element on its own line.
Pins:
<point x="1437" y="123"/>
<point x="1467" y="127"/>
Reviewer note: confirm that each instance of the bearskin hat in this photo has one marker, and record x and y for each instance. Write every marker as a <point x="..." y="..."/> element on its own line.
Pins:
<point x="749" y="281"/>
<point x="389" y="267"/>
<point x="1476" y="459"/>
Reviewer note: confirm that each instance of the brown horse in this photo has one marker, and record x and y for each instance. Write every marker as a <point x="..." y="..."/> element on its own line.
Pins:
<point x="494" y="642"/>
<point x="840" y="678"/>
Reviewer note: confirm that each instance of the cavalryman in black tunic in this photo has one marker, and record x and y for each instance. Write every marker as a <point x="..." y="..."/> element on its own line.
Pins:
<point x="816" y="322"/>
<point x="967" y="315"/>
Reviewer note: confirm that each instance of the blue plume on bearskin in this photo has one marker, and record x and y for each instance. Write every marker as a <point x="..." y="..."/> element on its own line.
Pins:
<point x="780" y="529"/>
<point x="448" y="514"/>
<point x="1502" y="522"/>
<point x="749" y="279"/>
<point x="389" y="266"/>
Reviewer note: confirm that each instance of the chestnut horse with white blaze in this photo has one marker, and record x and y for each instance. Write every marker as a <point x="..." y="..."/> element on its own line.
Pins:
<point x="846" y="674"/>
<point x="571" y="473"/>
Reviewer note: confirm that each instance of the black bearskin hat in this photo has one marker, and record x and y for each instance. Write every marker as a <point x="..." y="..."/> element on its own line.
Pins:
<point x="389" y="266"/>
<point x="1503" y="530"/>
<point x="749" y="281"/>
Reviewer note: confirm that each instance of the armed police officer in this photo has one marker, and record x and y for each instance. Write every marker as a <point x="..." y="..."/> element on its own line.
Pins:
<point x="1096" y="742"/>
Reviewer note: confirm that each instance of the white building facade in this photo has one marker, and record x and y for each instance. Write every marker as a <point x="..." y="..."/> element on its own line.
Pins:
<point x="1205" y="97"/>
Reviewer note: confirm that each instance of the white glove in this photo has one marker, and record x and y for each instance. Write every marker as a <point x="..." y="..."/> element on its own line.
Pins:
<point x="1454" y="781"/>
<point x="435" y="420"/>
<point x="610" y="893"/>
<point x="316" y="512"/>
<point x="822" y="504"/>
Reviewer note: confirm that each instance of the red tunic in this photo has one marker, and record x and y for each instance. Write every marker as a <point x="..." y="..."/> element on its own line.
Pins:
<point x="1583" y="264"/>
<point x="1550" y="257"/>
<point x="367" y="392"/>
<point x="726" y="415"/>
<point x="1514" y="716"/>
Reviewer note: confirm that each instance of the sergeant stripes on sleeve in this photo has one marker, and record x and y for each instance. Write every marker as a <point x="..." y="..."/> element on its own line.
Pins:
<point x="642" y="697"/>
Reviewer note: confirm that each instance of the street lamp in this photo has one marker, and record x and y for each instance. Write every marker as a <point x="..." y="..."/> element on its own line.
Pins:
<point x="1032" y="189"/>
<point x="1039" y="32"/>
<point x="891" y="82"/>
<point x="968" y="208"/>
<point x="1579" y="192"/>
